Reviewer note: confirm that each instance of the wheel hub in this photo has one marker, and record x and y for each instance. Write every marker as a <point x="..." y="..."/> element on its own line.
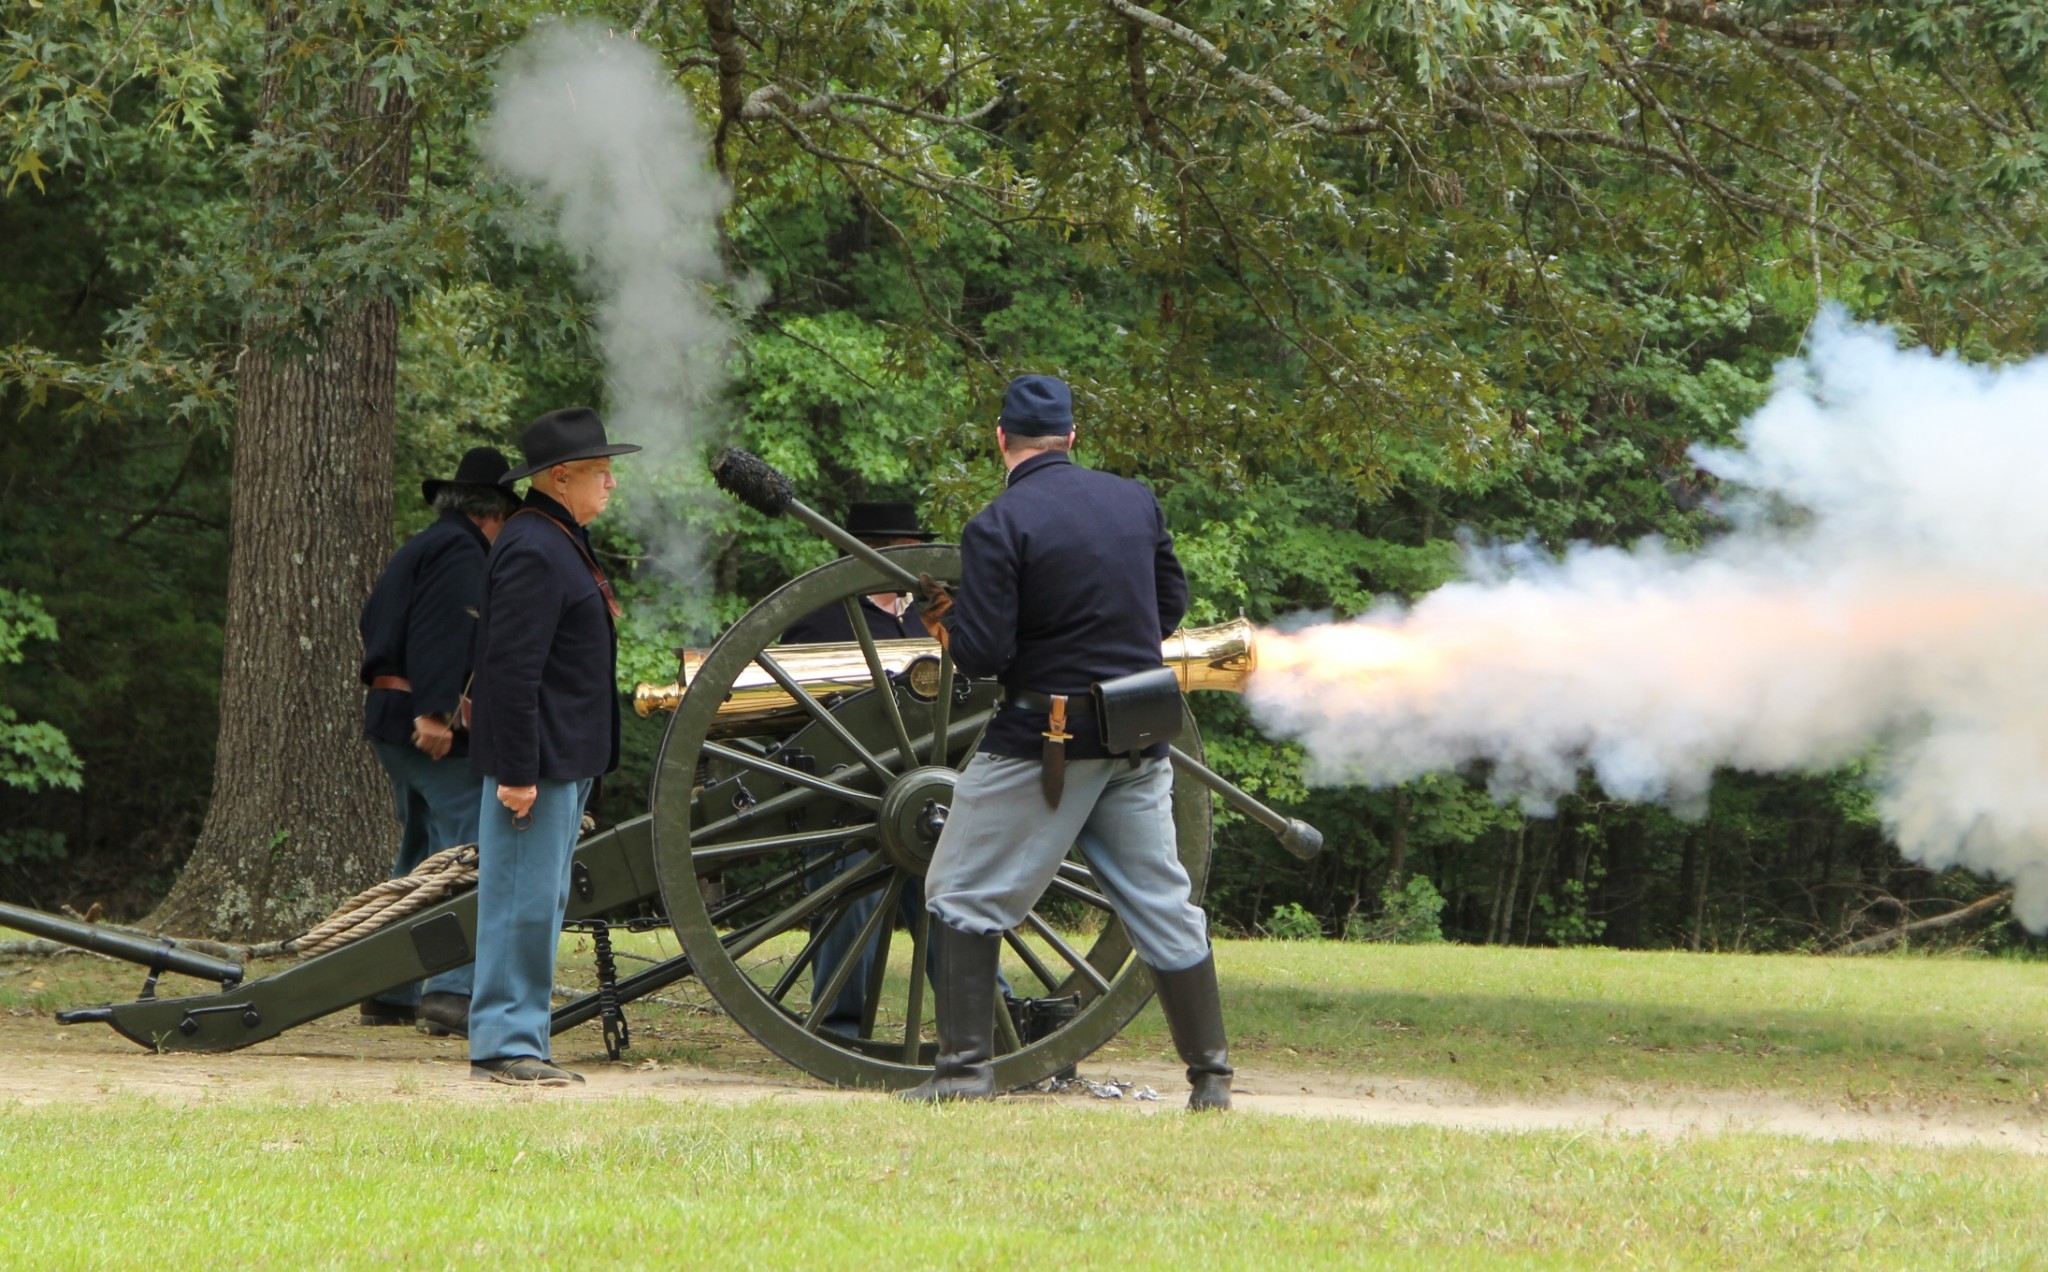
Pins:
<point x="913" y="813"/>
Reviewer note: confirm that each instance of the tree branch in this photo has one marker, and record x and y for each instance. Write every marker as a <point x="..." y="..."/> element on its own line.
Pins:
<point x="1265" y="88"/>
<point x="1683" y="165"/>
<point x="1729" y="19"/>
<point x="1141" y="96"/>
<point x="732" y="65"/>
<point x="772" y="100"/>
<point x="1978" y="909"/>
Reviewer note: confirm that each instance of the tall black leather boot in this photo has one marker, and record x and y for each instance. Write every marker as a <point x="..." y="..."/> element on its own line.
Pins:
<point x="1194" y="1015"/>
<point x="964" y="994"/>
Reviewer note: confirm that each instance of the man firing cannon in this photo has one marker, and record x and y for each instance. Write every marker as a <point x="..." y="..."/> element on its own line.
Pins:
<point x="1068" y="582"/>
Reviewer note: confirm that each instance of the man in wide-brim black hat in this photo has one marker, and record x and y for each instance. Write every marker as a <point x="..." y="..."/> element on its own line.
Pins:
<point x="886" y="524"/>
<point x="545" y="726"/>
<point x="417" y="627"/>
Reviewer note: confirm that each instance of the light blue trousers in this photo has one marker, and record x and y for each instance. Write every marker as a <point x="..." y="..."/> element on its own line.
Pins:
<point x="522" y="892"/>
<point x="1002" y="846"/>
<point x="437" y="804"/>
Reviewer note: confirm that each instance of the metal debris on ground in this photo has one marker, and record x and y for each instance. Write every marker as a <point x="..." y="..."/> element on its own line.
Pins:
<point x="1109" y="1090"/>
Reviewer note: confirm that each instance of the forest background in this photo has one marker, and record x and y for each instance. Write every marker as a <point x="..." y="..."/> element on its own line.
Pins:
<point x="1344" y="282"/>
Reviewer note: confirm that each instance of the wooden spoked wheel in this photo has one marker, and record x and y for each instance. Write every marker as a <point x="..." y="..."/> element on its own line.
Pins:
<point x="770" y="835"/>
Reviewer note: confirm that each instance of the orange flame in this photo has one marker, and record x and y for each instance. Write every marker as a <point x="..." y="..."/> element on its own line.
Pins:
<point x="1705" y="640"/>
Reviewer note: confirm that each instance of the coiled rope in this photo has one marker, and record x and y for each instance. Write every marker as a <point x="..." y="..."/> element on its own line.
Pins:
<point x="440" y="876"/>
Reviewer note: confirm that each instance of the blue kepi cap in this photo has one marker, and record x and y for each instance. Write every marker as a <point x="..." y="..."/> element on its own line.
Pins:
<point x="1038" y="406"/>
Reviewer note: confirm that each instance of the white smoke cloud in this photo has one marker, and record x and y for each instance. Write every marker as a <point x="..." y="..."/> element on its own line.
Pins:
<point x="1904" y="602"/>
<point x="607" y="149"/>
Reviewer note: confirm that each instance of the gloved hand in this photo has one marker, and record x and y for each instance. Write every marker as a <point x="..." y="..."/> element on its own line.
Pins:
<point x="934" y="610"/>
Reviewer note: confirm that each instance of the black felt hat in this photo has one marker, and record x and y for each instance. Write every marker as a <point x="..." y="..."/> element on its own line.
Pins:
<point x="563" y="437"/>
<point x="895" y="519"/>
<point x="480" y="466"/>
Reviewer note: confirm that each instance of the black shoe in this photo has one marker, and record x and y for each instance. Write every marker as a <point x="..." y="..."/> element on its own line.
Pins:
<point x="375" y="1011"/>
<point x="522" y="1071"/>
<point x="1194" y="1015"/>
<point x="443" y="1014"/>
<point x="964" y="996"/>
<point x="1037" y="1018"/>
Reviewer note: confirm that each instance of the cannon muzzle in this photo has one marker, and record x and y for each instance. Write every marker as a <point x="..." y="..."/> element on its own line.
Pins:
<point x="1215" y="658"/>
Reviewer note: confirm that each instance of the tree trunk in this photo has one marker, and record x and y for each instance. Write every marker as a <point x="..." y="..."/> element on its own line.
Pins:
<point x="1536" y="882"/>
<point x="1688" y="868"/>
<point x="1505" y="933"/>
<point x="1397" y="842"/>
<point x="1500" y="884"/>
<point x="1623" y="886"/>
<point x="300" y="815"/>
<point x="1699" y="889"/>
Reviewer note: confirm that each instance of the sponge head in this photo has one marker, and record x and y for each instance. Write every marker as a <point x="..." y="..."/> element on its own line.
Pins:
<point x="752" y="480"/>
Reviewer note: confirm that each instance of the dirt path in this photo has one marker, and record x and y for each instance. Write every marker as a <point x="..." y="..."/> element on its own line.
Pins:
<point x="334" y="1059"/>
<point x="1667" y="1113"/>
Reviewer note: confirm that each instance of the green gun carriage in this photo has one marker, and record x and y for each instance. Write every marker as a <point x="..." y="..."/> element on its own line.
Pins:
<point x="792" y="782"/>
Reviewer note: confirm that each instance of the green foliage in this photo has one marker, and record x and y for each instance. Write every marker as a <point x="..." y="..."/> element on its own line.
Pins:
<point x="1410" y="914"/>
<point x="458" y="386"/>
<point x="1565" y="918"/>
<point x="1369" y="278"/>
<point x="31" y="845"/>
<point x="33" y="754"/>
<point x="1292" y="922"/>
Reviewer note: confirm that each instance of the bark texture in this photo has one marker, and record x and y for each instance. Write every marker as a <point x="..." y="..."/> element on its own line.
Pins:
<point x="301" y="816"/>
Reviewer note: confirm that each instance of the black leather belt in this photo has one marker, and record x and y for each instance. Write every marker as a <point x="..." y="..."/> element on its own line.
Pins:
<point x="1032" y="700"/>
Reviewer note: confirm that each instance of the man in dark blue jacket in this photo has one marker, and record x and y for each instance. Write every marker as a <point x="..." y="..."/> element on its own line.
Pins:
<point x="890" y="616"/>
<point x="545" y="724"/>
<point x="417" y="627"/>
<point x="1067" y="579"/>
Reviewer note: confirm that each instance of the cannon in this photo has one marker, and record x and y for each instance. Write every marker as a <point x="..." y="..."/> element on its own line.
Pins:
<point x="791" y="783"/>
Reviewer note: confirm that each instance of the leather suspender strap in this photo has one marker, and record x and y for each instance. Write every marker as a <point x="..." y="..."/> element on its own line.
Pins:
<point x="1052" y="773"/>
<point x="597" y="576"/>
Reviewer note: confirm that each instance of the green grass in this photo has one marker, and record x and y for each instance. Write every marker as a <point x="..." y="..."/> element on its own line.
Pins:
<point x="268" y="1177"/>
<point x="644" y="1183"/>
<point x="1929" y="1031"/>
<point x="1918" y="1028"/>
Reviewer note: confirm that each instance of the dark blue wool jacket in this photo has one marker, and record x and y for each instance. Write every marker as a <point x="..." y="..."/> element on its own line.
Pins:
<point x="1067" y="578"/>
<point x="418" y="624"/>
<point x="545" y="700"/>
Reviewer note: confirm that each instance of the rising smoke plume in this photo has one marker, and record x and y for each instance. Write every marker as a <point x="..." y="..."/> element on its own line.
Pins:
<point x="1903" y="600"/>
<point x="594" y="131"/>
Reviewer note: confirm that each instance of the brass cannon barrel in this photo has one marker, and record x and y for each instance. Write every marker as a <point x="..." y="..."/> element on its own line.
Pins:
<point x="1216" y="658"/>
